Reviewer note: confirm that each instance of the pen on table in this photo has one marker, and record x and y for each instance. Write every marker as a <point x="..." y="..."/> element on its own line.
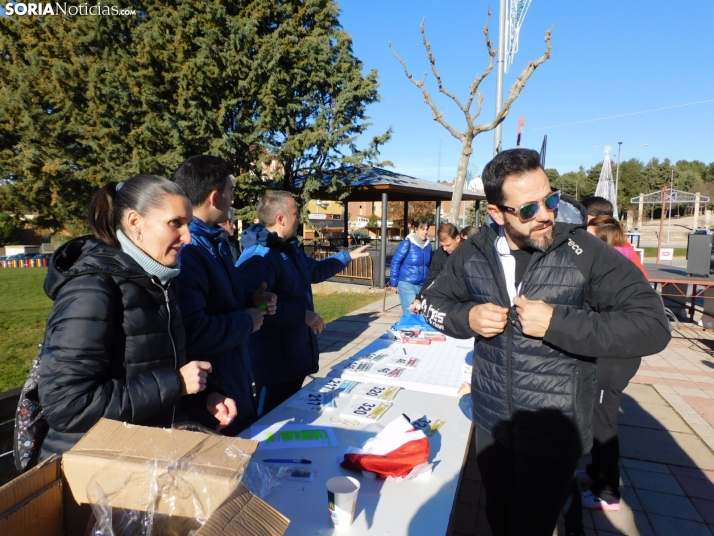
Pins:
<point x="280" y="460"/>
<point x="405" y="351"/>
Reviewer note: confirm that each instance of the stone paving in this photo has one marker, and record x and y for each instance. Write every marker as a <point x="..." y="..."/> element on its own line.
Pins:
<point x="666" y="435"/>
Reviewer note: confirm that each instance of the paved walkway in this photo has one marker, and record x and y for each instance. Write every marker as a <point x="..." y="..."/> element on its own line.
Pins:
<point x="666" y="435"/>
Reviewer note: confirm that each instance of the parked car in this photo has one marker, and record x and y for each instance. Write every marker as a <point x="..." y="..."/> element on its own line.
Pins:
<point x="41" y="259"/>
<point x="20" y="259"/>
<point x="360" y="239"/>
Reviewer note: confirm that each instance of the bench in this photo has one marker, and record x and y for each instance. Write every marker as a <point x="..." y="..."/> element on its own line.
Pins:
<point x="8" y="405"/>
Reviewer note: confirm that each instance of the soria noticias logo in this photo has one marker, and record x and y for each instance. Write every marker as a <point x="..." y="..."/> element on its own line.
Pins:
<point x="78" y="10"/>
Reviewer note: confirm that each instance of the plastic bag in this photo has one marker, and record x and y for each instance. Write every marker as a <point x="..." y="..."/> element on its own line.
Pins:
<point x="412" y="321"/>
<point x="155" y="491"/>
<point x="261" y="479"/>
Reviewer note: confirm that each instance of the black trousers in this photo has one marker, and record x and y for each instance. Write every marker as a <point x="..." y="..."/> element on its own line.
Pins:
<point x="524" y="493"/>
<point x="613" y="375"/>
<point x="271" y="396"/>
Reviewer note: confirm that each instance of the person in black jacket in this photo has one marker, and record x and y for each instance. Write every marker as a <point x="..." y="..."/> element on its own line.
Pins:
<point x="114" y="342"/>
<point x="543" y="300"/>
<point x="449" y="240"/>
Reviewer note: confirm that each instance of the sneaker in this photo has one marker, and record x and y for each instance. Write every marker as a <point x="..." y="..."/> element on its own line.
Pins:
<point x="592" y="501"/>
<point x="583" y="477"/>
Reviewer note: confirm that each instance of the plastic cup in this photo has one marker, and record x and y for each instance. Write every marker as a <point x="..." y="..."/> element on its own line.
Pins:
<point x="342" y="499"/>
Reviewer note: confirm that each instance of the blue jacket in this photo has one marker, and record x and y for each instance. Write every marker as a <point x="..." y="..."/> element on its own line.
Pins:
<point x="285" y="348"/>
<point x="217" y="330"/>
<point x="410" y="263"/>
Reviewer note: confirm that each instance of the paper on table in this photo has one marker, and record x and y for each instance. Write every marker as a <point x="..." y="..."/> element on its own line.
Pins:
<point x="293" y="436"/>
<point x="339" y="386"/>
<point x="312" y="401"/>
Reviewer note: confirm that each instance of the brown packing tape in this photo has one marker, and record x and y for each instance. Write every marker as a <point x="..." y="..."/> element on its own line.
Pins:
<point x="244" y="514"/>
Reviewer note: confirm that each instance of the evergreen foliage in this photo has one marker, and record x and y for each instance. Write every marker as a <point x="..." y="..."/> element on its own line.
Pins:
<point x="88" y="100"/>
<point x="10" y="229"/>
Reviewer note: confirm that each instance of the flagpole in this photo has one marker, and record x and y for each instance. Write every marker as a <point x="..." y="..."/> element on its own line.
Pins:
<point x="500" y="69"/>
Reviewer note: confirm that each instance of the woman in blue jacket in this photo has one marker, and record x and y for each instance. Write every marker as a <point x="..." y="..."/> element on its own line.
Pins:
<point x="410" y="264"/>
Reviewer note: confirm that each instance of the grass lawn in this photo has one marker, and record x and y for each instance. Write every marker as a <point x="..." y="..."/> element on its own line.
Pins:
<point x="23" y="313"/>
<point x="24" y="309"/>
<point x="333" y="306"/>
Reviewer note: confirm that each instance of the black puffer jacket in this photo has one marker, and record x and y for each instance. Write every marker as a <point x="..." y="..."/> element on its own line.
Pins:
<point x="108" y="349"/>
<point x="536" y="395"/>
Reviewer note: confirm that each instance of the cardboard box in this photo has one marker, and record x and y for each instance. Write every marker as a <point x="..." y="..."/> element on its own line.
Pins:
<point x="46" y="500"/>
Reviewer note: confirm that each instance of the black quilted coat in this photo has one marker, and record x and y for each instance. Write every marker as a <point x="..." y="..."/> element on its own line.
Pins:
<point x="113" y="344"/>
<point x="536" y="395"/>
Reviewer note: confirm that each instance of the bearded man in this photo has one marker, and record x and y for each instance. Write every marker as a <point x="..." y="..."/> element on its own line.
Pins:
<point x="543" y="300"/>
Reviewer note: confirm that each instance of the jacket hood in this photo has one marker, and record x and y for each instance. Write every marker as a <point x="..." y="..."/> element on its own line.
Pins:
<point x="257" y="234"/>
<point x="571" y="211"/>
<point x="87" y="255"/>
<point x="198" y="227"/>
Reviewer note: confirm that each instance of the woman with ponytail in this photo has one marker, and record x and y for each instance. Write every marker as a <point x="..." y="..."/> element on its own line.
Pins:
<point x="114" y="341"/>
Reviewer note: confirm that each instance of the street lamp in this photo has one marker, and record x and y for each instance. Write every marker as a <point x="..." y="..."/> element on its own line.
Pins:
<point x="617" y="178"/>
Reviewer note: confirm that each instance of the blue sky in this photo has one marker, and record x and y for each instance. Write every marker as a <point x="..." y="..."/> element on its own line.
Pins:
<point x="608" y="58"/>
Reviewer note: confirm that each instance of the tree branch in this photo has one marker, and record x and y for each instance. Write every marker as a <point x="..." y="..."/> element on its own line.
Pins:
<point x="473" y="90"/>
<point x="516" y="88"/>
<point x="438" y="117"/>
<point x="432" y="61"/>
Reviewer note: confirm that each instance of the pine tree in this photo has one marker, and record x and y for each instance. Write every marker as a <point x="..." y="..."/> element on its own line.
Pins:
<point x="88" y="100"/>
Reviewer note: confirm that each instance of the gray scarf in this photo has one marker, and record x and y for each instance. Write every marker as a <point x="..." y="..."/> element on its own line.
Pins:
<point x="150" y="266"/>
<point x="421" y="243"/>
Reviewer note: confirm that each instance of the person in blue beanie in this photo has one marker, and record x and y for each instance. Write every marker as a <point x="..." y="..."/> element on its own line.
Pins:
<point x="285" y="350"/>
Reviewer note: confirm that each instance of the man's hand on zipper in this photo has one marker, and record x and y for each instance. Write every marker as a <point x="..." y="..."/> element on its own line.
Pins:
<point x="488" y="319"/>
<point x="534" y="316"/>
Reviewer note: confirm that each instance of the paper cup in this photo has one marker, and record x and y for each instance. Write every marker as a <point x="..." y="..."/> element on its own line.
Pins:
<point x="342" y="499"/>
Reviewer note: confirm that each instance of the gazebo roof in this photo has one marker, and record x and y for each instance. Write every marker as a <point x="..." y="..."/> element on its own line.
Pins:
<point x="372" y="183"/>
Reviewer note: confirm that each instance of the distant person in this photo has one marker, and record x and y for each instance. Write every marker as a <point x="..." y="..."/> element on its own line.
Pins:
<point x="409" y="268"/>
<point x="613" y="376"/>
<point x="449" y="240"/>
<point x="217" y="315"/>
<point x="599" y="206"/>
<point x="113" y="346"/>
<point x="468" y="231"/>
<point x="229" y="226"/>
<point x="286" y="349"/>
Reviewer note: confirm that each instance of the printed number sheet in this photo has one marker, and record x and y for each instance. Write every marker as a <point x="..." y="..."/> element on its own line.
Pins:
<point x="437" y="368"/>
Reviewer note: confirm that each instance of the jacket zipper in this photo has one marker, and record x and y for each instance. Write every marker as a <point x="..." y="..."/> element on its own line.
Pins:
<point x="165" y="292"/>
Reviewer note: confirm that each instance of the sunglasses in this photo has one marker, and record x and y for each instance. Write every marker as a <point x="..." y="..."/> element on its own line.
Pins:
<point x="529" y="211"/>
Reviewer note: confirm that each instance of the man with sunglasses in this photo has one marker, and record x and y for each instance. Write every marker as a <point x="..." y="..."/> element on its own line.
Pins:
<point x="544" y="300"/>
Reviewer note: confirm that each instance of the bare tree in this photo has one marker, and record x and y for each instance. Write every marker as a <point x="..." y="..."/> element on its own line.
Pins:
<point x="472" y="130"/>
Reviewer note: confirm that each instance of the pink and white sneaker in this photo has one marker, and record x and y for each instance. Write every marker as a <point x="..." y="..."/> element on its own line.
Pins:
<point x="594" y="502"/>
